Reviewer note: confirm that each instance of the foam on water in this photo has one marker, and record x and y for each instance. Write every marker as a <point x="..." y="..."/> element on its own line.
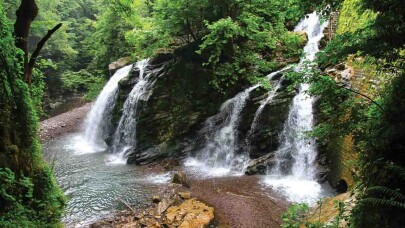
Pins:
<point x="295" y="190"/>
<point x="159" y="178"/>
<point x="294" y="174"/>
<point x="80" y="145"/>
<point x="205" y="170"/>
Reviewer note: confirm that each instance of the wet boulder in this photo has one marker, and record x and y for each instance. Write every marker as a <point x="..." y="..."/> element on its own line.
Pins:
<point x="260" y="165"/>
<point x="121" y="62"/>
<point x="181" y="178"/>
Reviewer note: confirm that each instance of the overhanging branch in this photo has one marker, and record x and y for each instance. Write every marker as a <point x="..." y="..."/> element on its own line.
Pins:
<point x="35" y="54"/>
<point x="365" y="96"/>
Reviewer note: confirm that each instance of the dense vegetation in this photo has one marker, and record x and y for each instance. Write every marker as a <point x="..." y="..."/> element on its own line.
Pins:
<point x="240" y="41"/>
<point x="370" y="36"/>
<point x="29" y="196"/>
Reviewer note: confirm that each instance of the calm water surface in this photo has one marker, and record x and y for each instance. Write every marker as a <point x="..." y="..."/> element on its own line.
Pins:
<point x="93" y="185"/>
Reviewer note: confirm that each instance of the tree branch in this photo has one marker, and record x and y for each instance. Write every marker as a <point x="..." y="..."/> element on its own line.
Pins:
<point x="35" y="54"/>
<point x="26" y="13"/>
<point x="363" y="95"/>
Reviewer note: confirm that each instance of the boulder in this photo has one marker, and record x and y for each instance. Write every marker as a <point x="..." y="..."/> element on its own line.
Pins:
<point x="185" y="195"/>
<point x="190" y="214"/>
<point x="181" y="178"/>
<point x="114" y="66"/>
<point x="170" y="164"/>
<point x="156" y="199"/>
<point x="163" y="205"/>
<point x="260" y="165"/>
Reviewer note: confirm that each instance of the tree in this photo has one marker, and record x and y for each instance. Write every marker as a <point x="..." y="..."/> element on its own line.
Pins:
<point x="26" y="14"/>
<point x="29" y="195"/>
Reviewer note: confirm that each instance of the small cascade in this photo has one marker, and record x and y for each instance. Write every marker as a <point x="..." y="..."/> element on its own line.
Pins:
<point x="218" y="156"/>
<point x="98" y="122"/>
<point x="294" y="173"/>
<point x="297" y="153"/>
<point x="125" y="134"/>
<point x="264" y="103"/>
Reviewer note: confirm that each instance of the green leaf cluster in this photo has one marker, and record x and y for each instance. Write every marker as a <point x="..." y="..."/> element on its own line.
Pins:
<point x="29" y="196"/>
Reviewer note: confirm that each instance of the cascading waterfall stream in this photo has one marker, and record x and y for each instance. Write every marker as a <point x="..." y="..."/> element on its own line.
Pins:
<point x="98" y="122"/>
<point x="125" y="134"/>
<point x="263" y="104"/>
<point x="294" y="173"/>
<point x="219" y="157"/>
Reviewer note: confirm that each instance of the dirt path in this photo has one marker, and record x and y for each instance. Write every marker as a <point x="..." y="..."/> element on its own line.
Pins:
<point x="240" y="201"/>
<point x="65" y="123"/>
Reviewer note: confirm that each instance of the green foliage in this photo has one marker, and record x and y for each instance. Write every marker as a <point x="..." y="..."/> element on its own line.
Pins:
<point x="83" y="81"/>
<point x="108" y="41"/>
<point x="244" y="45"/>
<point x="241" y="41"/>
<point x="29" y="196"/>
<point x="382" y="173"/>
<point x="294" y="216"/>
<point x="373" y="30"/>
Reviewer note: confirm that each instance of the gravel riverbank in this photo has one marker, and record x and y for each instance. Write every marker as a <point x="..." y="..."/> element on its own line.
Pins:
<point x="65" y="123"/>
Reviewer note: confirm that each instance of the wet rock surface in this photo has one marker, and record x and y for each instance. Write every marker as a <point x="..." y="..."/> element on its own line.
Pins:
<point x="260" y="165"/>
<point x="181" y="178"/>
<point x="171" y="209"/>
<point x="181" y="101"/>
<point x="113" y="67"/>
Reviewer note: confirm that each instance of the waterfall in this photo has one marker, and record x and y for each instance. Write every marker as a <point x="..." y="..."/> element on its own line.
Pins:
<point x="263" y="104"/>
<point x="125" y="134"/>
<point x="218" y="156"/>
<point x="98" y="120"/>
<point x="294" y="173"/>
<point x="297" y="153"/>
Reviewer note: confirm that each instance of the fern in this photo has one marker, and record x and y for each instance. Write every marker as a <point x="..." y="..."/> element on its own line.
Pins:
<point x="384" y="202"/>
<point x="387" y="192"/>
<point x="397" y="170"/>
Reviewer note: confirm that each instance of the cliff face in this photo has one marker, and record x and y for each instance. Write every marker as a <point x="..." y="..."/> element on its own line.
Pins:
<point x="181" y="101"/>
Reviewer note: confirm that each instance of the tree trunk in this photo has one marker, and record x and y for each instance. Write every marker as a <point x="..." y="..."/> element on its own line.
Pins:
<point x="26" y="13"/>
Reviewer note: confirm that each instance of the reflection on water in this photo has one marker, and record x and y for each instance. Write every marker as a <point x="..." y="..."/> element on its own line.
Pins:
<point x="92" y="186"/>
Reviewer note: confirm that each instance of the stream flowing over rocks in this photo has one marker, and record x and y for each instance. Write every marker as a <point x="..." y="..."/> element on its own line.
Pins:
<point x="160" y="117"/>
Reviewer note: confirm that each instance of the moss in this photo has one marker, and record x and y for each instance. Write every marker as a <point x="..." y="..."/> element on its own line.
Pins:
<point x="22" y="166"/>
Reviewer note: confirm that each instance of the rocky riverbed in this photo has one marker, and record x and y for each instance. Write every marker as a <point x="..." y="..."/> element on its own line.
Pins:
<point x="237" y="201"/>
<point x="63" y="124"/>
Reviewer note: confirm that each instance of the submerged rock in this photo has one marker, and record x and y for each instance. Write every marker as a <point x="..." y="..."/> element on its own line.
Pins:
<point x="260" y="165"/>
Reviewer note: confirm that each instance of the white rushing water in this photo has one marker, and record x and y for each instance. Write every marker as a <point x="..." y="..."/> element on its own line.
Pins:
<point x="294" y="174"/>
<point x="98" y="120"/>
<point x="218" y="157"/>
<point x="264" y="103"/>
<point x="125" y="134"/>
